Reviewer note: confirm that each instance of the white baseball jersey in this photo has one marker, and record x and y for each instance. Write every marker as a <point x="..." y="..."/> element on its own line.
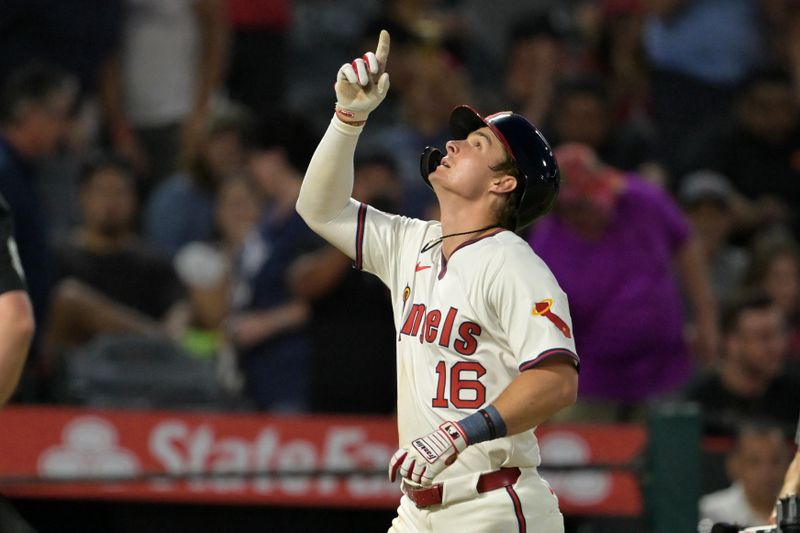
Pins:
<point x="466" y="326"/>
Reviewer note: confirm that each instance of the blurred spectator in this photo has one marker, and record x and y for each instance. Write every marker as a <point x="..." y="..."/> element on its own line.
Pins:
<point x="781" y="21"/>
<point x="759" y="151"/>
<point x="268" y="324"/>
<point x="181" y="209"/>
<point x="78" y="36"/>
<point x="352" y="308"/>
<point x="708" y="199"/>
<point x="750" y="382"/>
<point x="35" y="107"/>
<point x="323" y="32"/>
<point x="582" y="113"/>
<point x="109" y="281"/>
<point x="621" y="61"/>
<point x="536" y="61"/>
<point x="260" y="37"/>
<point x="775" y="270"/>
<point x="699" y="51"/>
<point x="755" y="467"/>
<point x="158" y="90"/>
<point x="206" y="269"/>
<point x="237" y="211"/>
<point x="490" y="27"/>
<point x="612" y="243"/>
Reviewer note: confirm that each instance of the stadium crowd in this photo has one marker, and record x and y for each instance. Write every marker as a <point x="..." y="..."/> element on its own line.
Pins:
<point x="152" y="153"/>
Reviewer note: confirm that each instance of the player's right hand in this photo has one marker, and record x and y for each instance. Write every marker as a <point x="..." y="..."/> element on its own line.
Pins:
<point x="362" y="84"/>
<point x="426" y="457"/>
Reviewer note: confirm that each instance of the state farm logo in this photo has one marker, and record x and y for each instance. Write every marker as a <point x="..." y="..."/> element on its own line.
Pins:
<point x="568" y="449"/>
<point x="89" y="446"/>
<point x="181" y="448"/>
<point x="205" y="461"/>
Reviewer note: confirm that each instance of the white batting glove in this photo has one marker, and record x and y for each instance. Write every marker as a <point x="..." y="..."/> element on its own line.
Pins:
<point x="362" y="85"/>
<point x="427" y="456"/>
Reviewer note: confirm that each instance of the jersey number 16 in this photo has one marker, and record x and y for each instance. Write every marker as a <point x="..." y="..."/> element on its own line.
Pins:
<point x="458" y="385"/>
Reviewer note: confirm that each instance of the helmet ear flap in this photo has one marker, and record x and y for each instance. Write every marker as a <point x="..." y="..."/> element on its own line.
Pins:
<point x="430" y="159"/>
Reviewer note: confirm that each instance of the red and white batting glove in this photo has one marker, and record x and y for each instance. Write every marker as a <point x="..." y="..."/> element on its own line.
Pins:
<point x="362" y="85"/>
<point x="427" y="456"/>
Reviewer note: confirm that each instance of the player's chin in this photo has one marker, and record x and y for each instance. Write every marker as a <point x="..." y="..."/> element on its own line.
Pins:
<point x="438" y="175"/>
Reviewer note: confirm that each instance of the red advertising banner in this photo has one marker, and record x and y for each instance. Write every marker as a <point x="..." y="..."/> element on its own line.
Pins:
<point x="611" y="490"/>
<point x="54" y="452"/>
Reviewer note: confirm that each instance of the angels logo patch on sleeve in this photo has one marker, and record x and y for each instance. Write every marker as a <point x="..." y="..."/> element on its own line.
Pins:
<point x="545" y="309"/>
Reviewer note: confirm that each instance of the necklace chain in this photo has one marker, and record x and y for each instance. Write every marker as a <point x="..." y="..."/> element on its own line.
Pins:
<point x="434" y="242"/>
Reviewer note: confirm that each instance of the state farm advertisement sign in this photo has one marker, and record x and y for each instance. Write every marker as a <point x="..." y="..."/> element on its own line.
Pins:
<point x="134" y="448"/>
<point x="269" y="460"/>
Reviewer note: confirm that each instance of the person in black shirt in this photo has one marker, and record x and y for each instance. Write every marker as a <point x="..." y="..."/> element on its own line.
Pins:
<point x="750" y="381"/>
<point x="109" y="281"/>
<point x="16" y="312"/>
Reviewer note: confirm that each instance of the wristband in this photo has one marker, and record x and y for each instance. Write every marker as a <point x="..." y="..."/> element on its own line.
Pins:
<point x="485" y="424"/>
<point x="348" y="117"/>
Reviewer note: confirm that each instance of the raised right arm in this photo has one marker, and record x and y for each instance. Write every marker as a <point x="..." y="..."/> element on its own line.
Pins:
<point x="324" y="202"/>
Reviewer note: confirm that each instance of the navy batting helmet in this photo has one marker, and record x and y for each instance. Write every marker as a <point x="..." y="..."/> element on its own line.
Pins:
<point x="527" y="147"/>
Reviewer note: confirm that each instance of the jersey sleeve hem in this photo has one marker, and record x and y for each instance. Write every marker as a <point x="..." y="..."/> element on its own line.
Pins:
<point x="547" y="354"/>
<point x="358" y="261"/>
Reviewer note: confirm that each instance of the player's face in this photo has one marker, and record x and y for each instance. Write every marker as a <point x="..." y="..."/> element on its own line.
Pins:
<point x="466" y="170"/>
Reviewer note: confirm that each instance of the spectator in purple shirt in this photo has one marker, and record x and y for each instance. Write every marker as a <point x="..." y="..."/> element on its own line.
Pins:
<point x="619" y="246"/>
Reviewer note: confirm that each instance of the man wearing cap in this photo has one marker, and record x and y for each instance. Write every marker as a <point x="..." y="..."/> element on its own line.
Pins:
<point x="485" y="348"/>
<point x="612" y="242"/>
<point x="713" y="207"/>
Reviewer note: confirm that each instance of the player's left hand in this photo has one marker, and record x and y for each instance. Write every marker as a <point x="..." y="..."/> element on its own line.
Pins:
<point x="427" y="456"/>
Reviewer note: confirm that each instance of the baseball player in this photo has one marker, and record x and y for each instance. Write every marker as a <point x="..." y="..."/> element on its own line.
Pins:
<point x="16" y="313"/>
<point x="485" y="348"/>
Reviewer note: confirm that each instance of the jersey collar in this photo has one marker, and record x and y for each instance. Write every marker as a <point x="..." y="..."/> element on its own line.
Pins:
<point x="444" y="260"/>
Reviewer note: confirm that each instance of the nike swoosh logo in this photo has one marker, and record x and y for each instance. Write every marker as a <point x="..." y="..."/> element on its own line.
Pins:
<point x="421" y="267"/>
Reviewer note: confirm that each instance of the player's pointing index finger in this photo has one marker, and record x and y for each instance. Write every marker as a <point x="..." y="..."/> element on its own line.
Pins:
<point x="382" y="52"/>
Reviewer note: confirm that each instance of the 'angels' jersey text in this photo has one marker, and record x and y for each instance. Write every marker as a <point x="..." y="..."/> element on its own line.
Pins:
<point x="428" y="326"/>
